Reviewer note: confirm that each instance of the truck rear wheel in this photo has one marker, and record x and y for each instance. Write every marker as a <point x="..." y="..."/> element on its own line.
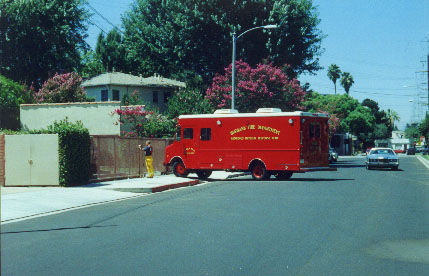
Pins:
<point x="283" y="175"/>
<point x="179" y="169"/>
<point x="259" y="172"/>
<point x="204" y="174"/>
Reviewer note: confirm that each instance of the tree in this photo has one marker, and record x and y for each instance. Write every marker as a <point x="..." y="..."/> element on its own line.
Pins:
<point x="187" y="102"/>
<point x="412" y="132"/>
<point x="180" y="37"/>
<point x="359" y="121"/>
<point x="393" y="117"/>
<point x="424" y="128"/>
<point x="334" y="73"/>
<point x="41" y="37"/>
<point x="263" y="86"/>
<point x="64" y="88"/>
<point x="346" y="81"/>
<point x="111" y="50"/>
<point x="91" y="65"/>
<point x="380" y="115"/>
<point x="381" y="131"/>
<point x="12" y="94"/>
<point x="339" y="108"/>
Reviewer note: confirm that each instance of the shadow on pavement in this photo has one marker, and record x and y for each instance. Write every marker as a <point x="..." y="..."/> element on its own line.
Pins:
<point x="347" y="164"/>
<point x="56" y="229"/>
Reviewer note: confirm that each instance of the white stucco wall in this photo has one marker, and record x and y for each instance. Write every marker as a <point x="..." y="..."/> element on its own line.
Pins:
<point x="98" y="117"/>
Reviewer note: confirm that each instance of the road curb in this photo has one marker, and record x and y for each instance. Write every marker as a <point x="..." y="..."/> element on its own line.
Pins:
<point x="424" y="161"/>
<point x="68" y="209"/>
<point x="157" y="189"/>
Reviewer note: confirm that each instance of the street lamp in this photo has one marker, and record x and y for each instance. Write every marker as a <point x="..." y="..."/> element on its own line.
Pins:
<point x="234" y="41"/>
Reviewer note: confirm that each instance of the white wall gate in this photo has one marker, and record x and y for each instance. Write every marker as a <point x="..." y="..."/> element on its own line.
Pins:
<point x="31" y="160"/>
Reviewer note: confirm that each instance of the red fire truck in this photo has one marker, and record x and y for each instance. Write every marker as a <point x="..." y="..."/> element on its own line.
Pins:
<point x="268" y="142"/>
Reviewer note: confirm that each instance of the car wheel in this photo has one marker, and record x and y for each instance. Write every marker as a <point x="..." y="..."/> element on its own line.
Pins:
<point x="394" y="168"/>
<point x="179" y="169"/>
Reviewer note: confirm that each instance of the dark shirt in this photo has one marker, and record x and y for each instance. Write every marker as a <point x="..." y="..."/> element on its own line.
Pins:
<point x="148" y="150"/>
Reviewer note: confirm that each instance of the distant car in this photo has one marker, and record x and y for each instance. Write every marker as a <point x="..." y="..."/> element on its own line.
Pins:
<point x="399" y="151"/>
<point x="425" y="151"/>
<point x="411" y="151"/>
<point x="333" y="155"/>
<point x="382" y="158"/>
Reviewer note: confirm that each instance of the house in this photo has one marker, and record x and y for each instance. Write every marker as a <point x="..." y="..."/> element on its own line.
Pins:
<point x="113" y="86"/>
<point x="396" y="142"/>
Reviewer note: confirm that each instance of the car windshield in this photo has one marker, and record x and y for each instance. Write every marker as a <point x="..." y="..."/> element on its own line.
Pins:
<point x="382" y="151"/>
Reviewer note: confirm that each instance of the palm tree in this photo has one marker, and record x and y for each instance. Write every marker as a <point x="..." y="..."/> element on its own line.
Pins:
<point x="347" y="81"/>
<point x="334" y="73"/>
<point x="393" y="117"/>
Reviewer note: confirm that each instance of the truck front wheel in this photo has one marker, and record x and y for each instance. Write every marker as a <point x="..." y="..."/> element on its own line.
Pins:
<point x="179" y="169"/>
<point x="259" y="172"/>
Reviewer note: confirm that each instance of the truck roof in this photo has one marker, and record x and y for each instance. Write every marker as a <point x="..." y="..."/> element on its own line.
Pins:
<point x="266" y="112"/>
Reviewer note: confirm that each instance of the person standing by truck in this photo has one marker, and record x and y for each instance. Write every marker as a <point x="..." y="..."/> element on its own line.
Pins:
<point x="148" y="158"/>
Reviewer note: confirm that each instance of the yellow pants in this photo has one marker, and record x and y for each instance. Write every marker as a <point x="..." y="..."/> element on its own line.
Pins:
<point x="149" y="165"/>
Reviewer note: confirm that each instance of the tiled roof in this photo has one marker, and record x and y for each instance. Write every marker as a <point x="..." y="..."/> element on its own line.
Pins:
<point x="117" y="78"/>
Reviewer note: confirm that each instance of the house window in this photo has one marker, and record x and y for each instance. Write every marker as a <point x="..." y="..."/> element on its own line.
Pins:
<point x="166" y="96"/>
<point x="155" y="97"/>
<point x="104" y="95"/>
<point x="206" y="134"/>
<point x="188" y="133"/>
<point x="115" y="96"/>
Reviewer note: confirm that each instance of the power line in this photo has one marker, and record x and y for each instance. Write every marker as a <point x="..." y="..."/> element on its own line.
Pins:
<point x="102" y="16"/>
<point x="391" y="66"/>
<point x="92" y="22"/>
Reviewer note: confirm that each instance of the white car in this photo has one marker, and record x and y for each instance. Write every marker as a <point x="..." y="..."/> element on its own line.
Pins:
<point x="382" y="158"/>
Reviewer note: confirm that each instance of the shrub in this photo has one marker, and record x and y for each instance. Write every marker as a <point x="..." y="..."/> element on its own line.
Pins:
<point x="263" y="86"/>
<point x="12" y="95"/>
<point x="145" y="123"/>
<point x="64" y="88"/>
<point x="74" y="151"/>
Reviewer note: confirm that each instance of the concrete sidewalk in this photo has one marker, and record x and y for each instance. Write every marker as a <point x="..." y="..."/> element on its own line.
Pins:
<point x="19" y="203"/>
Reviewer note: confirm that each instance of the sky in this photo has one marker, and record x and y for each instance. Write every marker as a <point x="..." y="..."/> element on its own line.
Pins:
<point x="383" y="44"/>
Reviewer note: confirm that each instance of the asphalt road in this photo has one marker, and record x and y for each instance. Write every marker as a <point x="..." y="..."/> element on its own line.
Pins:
<point x="349" y="222"/>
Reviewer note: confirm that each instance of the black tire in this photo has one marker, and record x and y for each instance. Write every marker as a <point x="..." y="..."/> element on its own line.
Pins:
<point x="204" y="174"/>
<point x="179" y="169"/>
<point x="394" y="168"/>
<point x="283" y="175"/>
<point x="259" y="172"/>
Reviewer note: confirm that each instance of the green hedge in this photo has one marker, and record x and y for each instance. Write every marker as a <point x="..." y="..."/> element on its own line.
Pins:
<point x="74" y="152"/>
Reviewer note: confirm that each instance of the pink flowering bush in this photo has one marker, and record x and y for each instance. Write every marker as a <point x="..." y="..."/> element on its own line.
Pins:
<point x="62" y="88"/>
<point x="143" y="123"/>
<point x="263" y="86"/>
<point x="333" y="122"/>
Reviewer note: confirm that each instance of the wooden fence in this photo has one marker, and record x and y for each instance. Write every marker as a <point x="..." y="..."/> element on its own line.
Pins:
<point x="115" y="157"/>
